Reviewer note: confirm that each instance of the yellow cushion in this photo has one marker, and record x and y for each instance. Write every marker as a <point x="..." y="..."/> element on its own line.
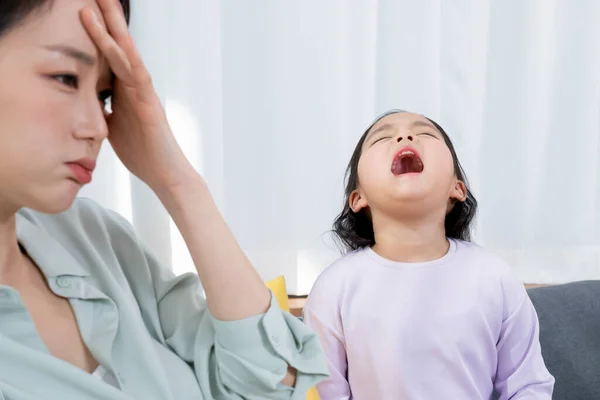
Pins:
<point x="279" y="289"/>
<point x="312" y="394"/>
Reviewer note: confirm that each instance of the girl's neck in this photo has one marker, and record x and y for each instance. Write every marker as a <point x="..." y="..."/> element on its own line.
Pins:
<point x="410" y="241"/>
<point x="10" y="253"/>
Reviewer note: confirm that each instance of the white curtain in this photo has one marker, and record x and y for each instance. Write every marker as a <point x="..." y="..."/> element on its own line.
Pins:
<point x="268" y="99"/>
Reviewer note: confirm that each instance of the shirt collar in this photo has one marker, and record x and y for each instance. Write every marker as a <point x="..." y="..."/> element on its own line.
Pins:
<point x="48" y="254"/>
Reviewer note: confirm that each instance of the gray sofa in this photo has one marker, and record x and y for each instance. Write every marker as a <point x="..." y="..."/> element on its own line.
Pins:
<point x="569" y="317"/>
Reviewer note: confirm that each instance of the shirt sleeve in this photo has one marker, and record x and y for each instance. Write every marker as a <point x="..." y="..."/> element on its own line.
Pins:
<point x="521" y="372"/>
<point x="336" y="387"/>
<point x="322" y="314"/>
<point x="244" y="359"/>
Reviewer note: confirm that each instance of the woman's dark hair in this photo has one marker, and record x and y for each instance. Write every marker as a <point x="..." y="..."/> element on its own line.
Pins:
<point x="355" y="230"/>
<point x="14" y="12"/>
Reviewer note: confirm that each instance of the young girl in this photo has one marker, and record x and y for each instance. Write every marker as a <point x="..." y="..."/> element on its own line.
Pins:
<point x="414" y="310"/>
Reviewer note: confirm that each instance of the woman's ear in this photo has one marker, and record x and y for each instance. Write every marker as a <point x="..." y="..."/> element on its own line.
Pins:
<point x="357" y="201"/>
<point x="459" y="191"/>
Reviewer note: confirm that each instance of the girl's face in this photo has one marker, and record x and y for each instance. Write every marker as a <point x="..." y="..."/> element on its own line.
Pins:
<point x="52" y="122"/>
<point x="406" y="164"/>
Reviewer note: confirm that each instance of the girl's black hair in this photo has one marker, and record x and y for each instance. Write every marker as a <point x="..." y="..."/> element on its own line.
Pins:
<point x="14" y="12"/>
<point x="355" y="230"/>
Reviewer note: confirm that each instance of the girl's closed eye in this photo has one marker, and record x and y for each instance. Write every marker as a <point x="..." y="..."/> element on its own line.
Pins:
<point x="69" y="80"/>
<point x="380" y="139"/>
<point x="427" y="134"/>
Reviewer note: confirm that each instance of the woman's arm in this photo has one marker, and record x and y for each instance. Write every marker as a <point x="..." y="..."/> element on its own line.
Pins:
<point x="233" y="288"/>
<point x="140" y="134"/>
<point x="242" y="359"/>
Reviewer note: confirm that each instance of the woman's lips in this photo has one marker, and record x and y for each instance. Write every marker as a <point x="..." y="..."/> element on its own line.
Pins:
<point x="82" y="170"/>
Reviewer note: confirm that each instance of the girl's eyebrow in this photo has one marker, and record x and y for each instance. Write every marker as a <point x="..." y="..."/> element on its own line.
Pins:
<point x="384" y="127"/>
<point x="423" y="124"/>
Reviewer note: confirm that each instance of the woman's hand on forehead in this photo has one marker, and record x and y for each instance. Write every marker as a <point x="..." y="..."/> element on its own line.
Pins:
<point x="116" y="44"/>
<point x="138" y="128"/>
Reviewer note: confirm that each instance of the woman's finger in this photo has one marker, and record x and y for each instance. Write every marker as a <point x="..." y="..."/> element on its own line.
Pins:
<point x="139" y="72"/>
<point x="115" y="55"/>
<point x="114" y="17"/>
<point x="112" y="11"/>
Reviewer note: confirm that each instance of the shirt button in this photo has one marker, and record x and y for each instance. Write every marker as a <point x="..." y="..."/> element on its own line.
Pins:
<point x="275" y="340"/>
<point x="63" y="282"/>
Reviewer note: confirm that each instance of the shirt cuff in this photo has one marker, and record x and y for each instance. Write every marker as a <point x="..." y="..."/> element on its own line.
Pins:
<point x="256" y="352"/>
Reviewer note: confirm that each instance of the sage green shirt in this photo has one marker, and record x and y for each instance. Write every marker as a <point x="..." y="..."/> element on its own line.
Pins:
<point x="148" y="327"/>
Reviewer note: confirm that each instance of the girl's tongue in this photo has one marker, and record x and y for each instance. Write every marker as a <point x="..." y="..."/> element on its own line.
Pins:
<point x="407" y="162"/>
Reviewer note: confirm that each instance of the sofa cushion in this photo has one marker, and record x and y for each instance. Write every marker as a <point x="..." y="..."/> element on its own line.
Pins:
<point x="569" y="317"/>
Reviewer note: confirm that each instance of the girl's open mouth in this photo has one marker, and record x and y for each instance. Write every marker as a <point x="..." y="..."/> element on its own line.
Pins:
<point x="407" y="161"/>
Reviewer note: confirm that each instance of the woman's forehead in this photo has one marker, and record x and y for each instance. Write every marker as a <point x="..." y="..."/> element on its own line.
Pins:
<point x="57" y="31"/>
<point x="61" y="19"/>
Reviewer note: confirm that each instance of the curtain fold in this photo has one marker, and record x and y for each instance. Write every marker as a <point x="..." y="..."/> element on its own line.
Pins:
<point x="268" y="100"/>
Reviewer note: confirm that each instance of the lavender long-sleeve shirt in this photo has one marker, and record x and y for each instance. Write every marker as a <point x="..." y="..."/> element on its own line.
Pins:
<point x="455" y="328"/>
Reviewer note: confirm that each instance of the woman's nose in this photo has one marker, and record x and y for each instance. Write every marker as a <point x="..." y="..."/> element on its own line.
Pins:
<point x="91" y="122"/>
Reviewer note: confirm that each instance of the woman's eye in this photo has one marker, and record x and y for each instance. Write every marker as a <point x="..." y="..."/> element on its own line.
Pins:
<point x="427" y="134"/>
<point x="68" y="80"/>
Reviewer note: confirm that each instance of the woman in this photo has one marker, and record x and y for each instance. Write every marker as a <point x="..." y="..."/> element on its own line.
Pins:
<point x="85" y="310"/>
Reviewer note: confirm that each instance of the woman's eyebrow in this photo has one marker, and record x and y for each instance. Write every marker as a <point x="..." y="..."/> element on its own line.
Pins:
<point x="72" y="52"/>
